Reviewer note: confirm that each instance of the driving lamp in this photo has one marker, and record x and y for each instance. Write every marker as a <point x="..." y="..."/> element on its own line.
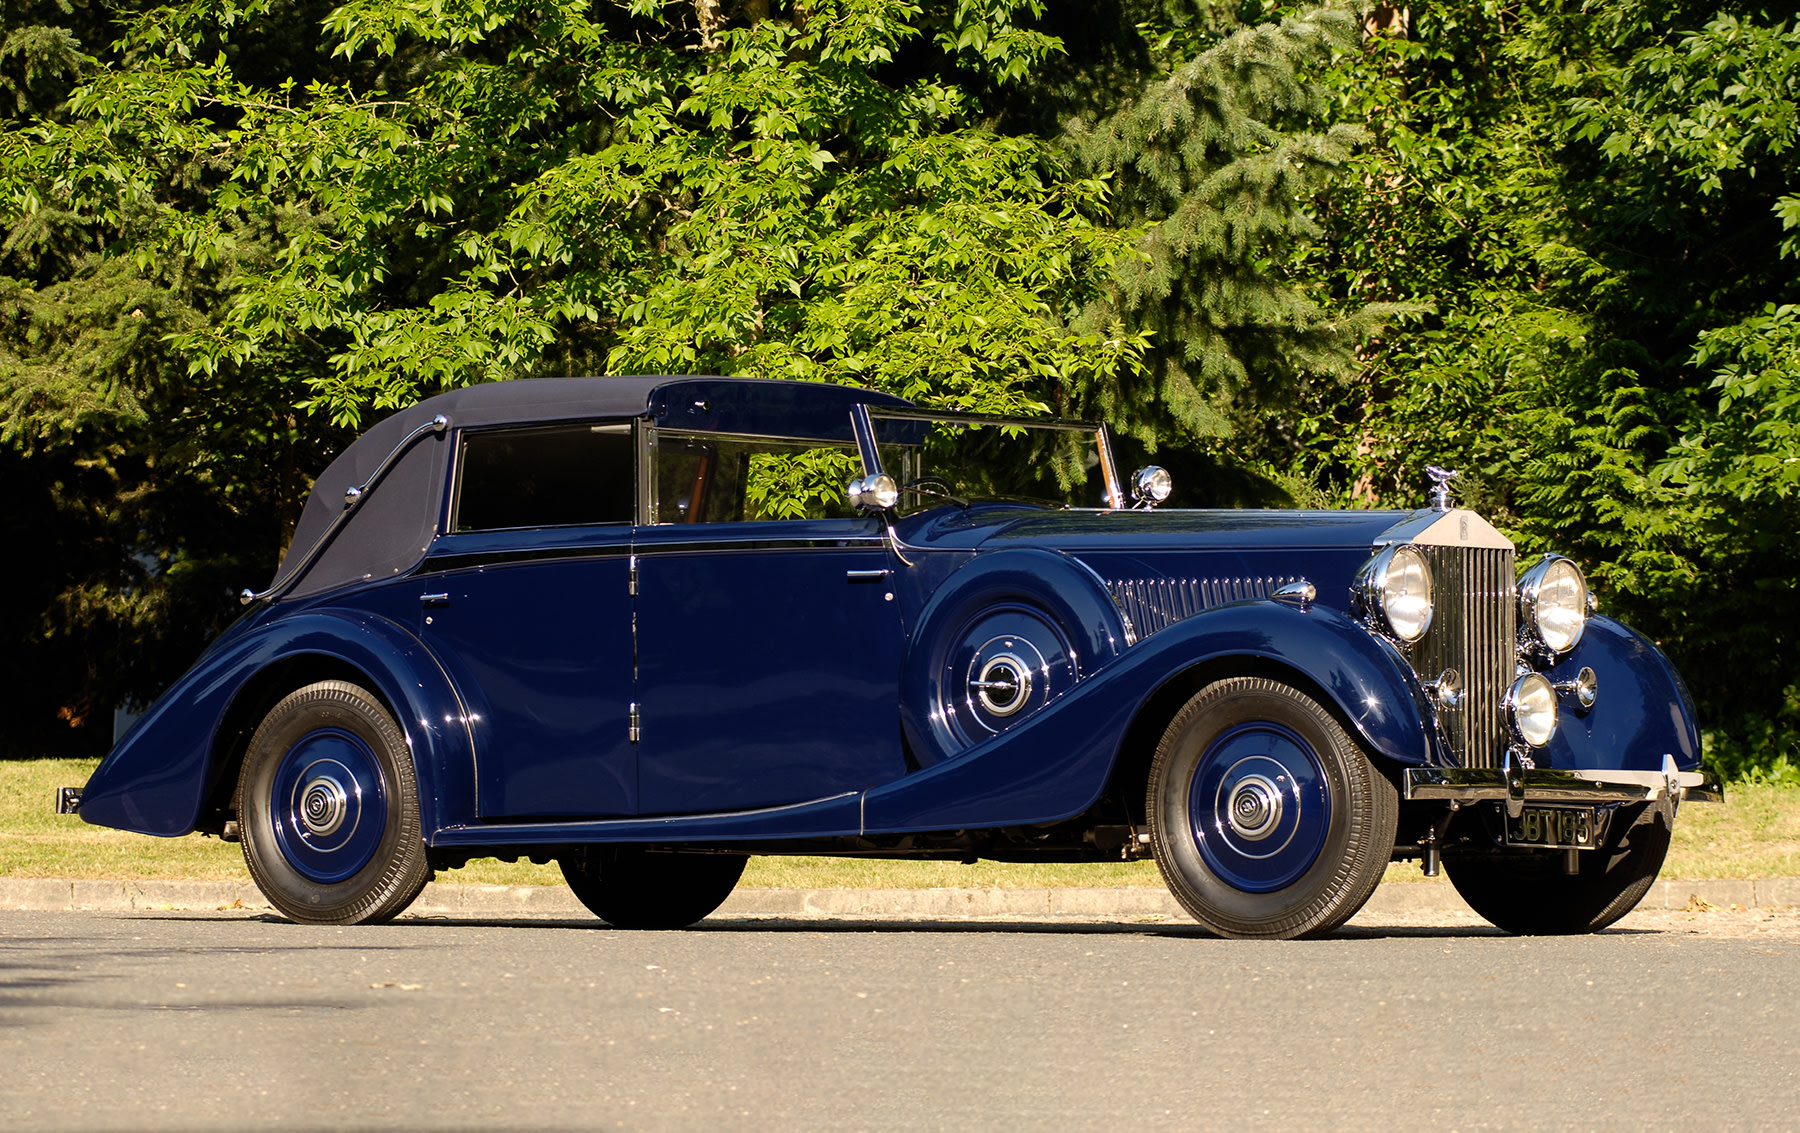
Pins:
<point x="1531" y="702"/>
<point x="873" y="493"/>
<point x="1152" y="484"/>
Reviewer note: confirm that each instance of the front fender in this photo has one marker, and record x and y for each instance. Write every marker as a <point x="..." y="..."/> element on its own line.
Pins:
<point x="1055" y="764"/>
<point x="1643" y="713"/>
<point x="154" y="781"/>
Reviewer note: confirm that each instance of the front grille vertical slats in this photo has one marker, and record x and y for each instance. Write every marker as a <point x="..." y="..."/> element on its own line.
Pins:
<point x="1471" y="632"/>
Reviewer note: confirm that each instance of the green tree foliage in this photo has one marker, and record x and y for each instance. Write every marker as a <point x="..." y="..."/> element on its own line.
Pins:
<point x="1549" y="242"/>
<point x="504" y="191"/>
<point x="237" y="232"/>
<point x="1592" y="197"/>
<point x="1218" y="157"/>
<point x="137" y="493"/>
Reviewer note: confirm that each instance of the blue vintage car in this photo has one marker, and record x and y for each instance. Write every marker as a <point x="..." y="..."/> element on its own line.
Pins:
<point x="640" y="626"/>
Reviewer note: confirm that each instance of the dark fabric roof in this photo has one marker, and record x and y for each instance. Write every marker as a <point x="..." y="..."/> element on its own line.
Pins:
<point x="390" y="529"/>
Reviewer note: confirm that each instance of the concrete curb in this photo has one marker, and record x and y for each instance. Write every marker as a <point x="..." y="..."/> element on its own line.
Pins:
<point x="48" y="895"/>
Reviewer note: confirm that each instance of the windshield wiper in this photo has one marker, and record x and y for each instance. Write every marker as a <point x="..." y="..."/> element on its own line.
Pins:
<point x="935" y="488"/>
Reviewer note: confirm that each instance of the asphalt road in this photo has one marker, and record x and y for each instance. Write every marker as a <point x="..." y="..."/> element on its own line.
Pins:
<point x="190" y="1020"/>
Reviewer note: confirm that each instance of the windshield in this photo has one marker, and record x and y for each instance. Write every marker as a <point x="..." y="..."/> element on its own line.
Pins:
<point x="943" y="458"/>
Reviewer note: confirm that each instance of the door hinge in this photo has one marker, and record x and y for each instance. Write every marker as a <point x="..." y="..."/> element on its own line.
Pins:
<point x="633" y="584"/>
<point x="635" y="730"/>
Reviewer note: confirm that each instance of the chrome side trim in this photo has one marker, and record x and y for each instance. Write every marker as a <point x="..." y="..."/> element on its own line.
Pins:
<point x="657" y="828"/>
<point x="352" y="496"/>
<point x="1481" y="784"/>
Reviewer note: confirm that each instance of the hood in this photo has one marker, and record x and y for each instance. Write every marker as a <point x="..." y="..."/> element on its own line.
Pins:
<point x="1083" y="532"/>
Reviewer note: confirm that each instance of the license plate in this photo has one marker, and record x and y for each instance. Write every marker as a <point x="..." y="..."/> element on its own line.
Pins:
<point x="1554" y="828"/>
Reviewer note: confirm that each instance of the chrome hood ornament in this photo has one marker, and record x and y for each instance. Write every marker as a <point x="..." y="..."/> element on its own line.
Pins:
<point x="1440" y="486"/>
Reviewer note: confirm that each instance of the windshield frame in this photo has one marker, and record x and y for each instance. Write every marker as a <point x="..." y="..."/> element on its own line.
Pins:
<point x="862" y="418"/>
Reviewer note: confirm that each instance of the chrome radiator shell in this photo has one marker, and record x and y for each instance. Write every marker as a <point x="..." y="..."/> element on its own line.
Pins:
<point x="1473" y="631"/>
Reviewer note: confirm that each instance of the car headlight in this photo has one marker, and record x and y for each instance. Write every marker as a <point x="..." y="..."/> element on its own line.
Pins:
<point x="1553" y="603"/>
<point x="1531" y="702"/>
<point x="1397" y="585"/>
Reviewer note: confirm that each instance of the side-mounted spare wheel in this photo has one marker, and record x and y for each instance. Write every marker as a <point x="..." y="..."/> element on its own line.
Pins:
<point x="1002" y="639"/>
<point x="328" y="808"/>
<point x="1266" y="817"/>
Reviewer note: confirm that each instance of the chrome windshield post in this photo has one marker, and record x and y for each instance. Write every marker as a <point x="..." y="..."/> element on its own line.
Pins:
<point x="864" y="429"/>
<point x="1109" y="467"/>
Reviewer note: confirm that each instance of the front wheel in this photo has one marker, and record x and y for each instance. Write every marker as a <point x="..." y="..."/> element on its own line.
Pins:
<point x="1266" y="818"/>
<point x="328" y="808"/>
<point x="1530" y="894"/>
<point x="630" y="887"/>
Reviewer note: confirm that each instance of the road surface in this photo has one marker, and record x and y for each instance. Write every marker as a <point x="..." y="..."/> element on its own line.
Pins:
<point x="189" y="1020"/>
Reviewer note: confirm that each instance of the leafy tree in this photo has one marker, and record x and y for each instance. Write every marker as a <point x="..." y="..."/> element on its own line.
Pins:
<point x="1216" y="158"/>
<point x="240" y="231"/>
<point x="1592" y="197"/>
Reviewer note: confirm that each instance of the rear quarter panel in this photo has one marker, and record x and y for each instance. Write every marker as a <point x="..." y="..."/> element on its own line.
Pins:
<point x="156" y="779"/>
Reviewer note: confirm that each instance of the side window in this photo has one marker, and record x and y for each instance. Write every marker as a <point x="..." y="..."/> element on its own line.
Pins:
<point x="553" y="476"/>
<point x="714" y="479"/>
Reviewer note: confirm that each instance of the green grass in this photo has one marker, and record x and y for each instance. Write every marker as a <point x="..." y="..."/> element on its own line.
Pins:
<point x="1756" y="833"/>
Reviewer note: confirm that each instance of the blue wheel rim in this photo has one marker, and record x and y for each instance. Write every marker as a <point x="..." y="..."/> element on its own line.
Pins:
<point x="1259" y="807"/>
<point x="328" y="805"/>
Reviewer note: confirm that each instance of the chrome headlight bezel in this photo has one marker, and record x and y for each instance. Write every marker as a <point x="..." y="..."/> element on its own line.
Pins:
<point x="1532" y="711"/>
<point x="1386" y="587"/>
<point x="1553" y="616"/>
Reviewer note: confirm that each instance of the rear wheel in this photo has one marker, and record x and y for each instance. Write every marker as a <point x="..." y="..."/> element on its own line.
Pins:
<point x="1532" y="895"/>
<point x="1266" y="818"/>
<point x="630" y="887"/>
<point x="328" y="808"/>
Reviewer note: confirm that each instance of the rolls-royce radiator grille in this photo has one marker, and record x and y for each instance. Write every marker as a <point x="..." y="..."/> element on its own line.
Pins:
<point x="1152" y="604"/>
<point x="1472" y="631"/>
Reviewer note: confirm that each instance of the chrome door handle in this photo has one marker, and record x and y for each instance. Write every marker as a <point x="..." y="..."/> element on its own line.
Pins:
<point x="865" y="575"/>
<point x="430" y="601"/>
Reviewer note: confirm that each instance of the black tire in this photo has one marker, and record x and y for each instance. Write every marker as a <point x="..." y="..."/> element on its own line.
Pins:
<point x="630" y="887"/>
<point x="1266" y="818"/>
<point x="329" y="811"/>
<point x="1529" y="894"/>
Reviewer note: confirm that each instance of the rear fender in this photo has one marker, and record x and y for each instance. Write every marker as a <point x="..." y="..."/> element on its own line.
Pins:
<point x="1055" y="764"/>
<point x="156" y="779"/>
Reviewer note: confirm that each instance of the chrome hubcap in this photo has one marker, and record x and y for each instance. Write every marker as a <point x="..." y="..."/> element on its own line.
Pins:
<point x="1255" y="807"/>
<point x="323" y="805"/>
<point x="1003" y="685"/>
<point x="329" y="805"/>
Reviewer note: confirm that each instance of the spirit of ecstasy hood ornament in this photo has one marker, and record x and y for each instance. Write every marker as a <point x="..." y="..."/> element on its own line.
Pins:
<point x="1440" y="486"/>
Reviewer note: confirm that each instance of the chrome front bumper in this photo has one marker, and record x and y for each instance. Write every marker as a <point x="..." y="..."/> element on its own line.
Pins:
<point x="1516" y="786"/>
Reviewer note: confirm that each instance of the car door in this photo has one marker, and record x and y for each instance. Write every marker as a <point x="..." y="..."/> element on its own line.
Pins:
<point x="527" y="599"/>
<point x="768" y="649"/>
